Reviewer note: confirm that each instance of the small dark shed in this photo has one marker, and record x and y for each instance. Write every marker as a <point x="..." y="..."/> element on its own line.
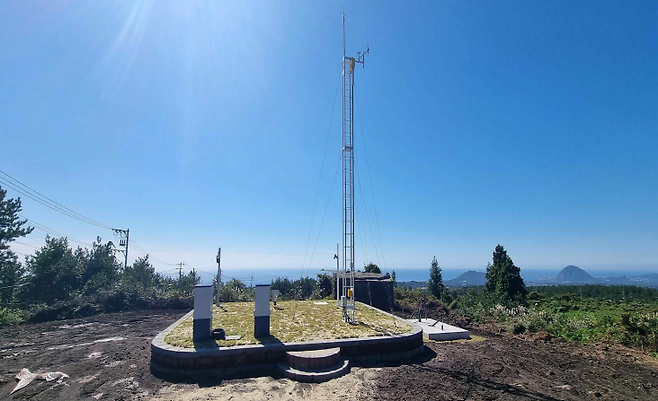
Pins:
<point x="373" y="289"/>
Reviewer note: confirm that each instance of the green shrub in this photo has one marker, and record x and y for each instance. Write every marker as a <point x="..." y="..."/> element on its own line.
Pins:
<point x="411" y="297"/>
<point x="519" y="328"/>
<point x="537" y="322"/>
<point x="236" y="291"/>
<point x="10" y="316"/>
<point x="566" y="315"/>
<point x="123" y="299"/>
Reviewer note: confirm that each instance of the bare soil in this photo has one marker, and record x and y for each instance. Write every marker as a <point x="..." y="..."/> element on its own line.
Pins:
<point x="106" y="354"/>
<point x="107" y="358"/>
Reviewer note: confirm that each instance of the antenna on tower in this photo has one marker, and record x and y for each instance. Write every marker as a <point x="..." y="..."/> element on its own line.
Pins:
<point x="361" y="57"/>
<point x="343" y="34"/>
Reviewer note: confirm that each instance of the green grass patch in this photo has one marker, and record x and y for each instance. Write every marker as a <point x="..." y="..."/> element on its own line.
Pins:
<point x="632" y="323"/>
<point x="292" y="321"/>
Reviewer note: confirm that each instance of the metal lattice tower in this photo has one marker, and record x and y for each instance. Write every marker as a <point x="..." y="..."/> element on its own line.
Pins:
<point x="348" y="177"/>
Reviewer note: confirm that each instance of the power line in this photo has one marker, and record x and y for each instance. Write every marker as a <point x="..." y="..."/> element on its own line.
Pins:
<point x="150" y="255"/>
<point x="34" y="236"/>
<point x="363" y="239"/>
<point x="31" y="193"/>
<point x="53" y="233"/>
<point x="46" y="201"/>
<point x="201" y="271"/>
<point x="372" y="192"/>
<point x="323" y="217"/>
<point x="358" y="180"/>
<point x="24" y="244"/>
<point x="317" y="191"/>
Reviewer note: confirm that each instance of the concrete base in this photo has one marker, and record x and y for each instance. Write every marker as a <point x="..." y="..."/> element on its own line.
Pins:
<point x="441" y="331"/>
<point x="262" y="359"/>
<point x="261" y="326"/>
<point x="201" y="330"/>
<point x="317" y="359"/>
<point x="315" y="375"/>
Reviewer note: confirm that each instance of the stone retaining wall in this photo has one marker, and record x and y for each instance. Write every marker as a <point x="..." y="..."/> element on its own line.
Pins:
<point x="261" y="359"/>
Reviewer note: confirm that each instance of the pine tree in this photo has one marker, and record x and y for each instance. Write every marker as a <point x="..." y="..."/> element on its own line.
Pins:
<point x="435" y="283"/>
<point x="101" y="269"/>
<point x="324" y="286"/>
<point x="11" y="227"/>
<point x="53" y="273"/>
<point x="503" y="277"/>
<point x="372" y="268"/>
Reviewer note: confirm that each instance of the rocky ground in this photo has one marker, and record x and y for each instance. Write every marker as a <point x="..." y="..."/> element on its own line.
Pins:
<point x="107" y="358"/>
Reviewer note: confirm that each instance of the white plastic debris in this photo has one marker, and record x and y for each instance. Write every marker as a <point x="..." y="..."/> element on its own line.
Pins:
<point x="50" y="376"/>
<point x="26" y="377"/>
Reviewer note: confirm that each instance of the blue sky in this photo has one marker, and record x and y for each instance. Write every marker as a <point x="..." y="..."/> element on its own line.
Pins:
<point x="203" y="124"/>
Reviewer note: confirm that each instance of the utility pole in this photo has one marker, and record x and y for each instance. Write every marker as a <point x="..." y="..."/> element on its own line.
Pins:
<point x="219" y="275"/>
<point x="124" y="238"/>
<point x="337" y="277"/>
<point x="180" y="270"/>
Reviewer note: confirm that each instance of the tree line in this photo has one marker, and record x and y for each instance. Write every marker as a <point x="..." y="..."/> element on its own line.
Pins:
<point x="503" y="279"/>
<point x="614" y="293"/>
<point x="57" y="272"/>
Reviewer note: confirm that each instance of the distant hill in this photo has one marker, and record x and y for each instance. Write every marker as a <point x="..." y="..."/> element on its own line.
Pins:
<point x="469" y="279"/>
<point x="574" y="275"/>
<point x="413" y="284"/>
<point x="646" y="280"/>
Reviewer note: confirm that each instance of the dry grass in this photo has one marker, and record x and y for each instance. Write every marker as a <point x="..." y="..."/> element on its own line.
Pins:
<point x="292" y="321"/>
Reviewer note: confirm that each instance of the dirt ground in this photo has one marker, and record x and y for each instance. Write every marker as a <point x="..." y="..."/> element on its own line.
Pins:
<point x="107" y="358"/>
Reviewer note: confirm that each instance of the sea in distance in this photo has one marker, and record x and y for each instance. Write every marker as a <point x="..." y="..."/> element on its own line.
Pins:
<point x="532" y="274"/>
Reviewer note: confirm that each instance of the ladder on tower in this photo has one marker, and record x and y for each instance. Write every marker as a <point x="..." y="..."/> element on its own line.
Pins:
<point x="348" y="188"/>
<point x="347" y="132"/>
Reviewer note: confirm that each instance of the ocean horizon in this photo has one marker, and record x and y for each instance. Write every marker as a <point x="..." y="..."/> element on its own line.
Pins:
<point x="530" y="274"/>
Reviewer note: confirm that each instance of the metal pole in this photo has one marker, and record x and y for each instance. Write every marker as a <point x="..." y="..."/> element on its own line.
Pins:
<point x="337" y="277"/>
<point x="125" y="266"/>
<point x="219" y="274"/>
<point x="343" y="35"/>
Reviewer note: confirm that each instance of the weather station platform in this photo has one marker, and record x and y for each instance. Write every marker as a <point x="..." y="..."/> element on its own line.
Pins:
<point x="296" y="327"/>
<point x="439" y="331"/>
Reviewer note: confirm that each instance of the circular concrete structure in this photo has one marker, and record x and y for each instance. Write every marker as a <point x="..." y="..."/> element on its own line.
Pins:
<point x="261" y="359"/>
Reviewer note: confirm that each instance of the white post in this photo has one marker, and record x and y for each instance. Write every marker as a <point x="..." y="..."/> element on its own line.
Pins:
<point x="219" y="275"/>
<point x="202" y="315"/>
<point x="261" y="310"/>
